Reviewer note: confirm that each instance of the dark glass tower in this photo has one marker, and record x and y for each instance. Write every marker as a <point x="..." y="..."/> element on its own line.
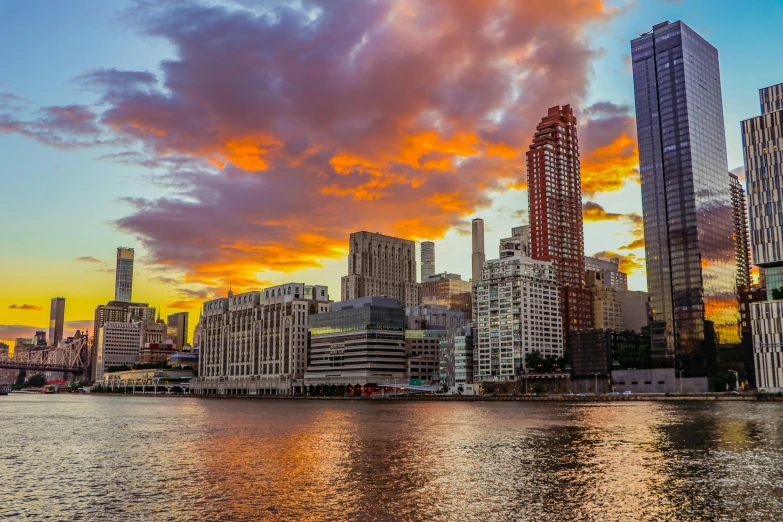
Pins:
<point x="123" y="284"/>
<point x="686" y="195"/>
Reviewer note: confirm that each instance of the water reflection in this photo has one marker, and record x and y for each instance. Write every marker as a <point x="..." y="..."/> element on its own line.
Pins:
<point x="110" y="458"/>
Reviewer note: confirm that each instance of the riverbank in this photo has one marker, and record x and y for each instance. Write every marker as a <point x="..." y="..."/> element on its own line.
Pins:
<point x="482" y="398"/>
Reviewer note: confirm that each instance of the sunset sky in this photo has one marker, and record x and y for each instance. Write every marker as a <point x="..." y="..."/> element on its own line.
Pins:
<point x="241" y="142"/>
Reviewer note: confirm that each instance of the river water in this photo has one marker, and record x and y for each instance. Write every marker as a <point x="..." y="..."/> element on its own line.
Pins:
<point x="93" y="458"/>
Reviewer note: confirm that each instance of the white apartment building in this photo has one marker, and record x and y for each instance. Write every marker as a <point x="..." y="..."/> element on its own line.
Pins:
<point x="518" y="312"/>
<point x="256" y="343"/>
<point x="117" y="345"/>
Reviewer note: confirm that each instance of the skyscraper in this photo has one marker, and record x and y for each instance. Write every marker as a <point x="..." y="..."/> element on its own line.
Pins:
<point x="739" y="213"/>
<point x="478" y="256"/>
<point x="427" y="259"/>
<point x="123" y="284"/>
<point x="56" y="321"/>
<point x="381" y="266"/>
<point x="555" y="207"/>
<point x="686" y="195"/>
<point x="177" y="329"/>
<point x="762" y="139"/>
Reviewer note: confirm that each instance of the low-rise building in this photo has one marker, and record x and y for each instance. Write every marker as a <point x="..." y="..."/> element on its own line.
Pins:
<point x="593" y="352"/>
<point x="422" y="353"/>
<point x="360" y="341"/>
<point x="156" y="352"/>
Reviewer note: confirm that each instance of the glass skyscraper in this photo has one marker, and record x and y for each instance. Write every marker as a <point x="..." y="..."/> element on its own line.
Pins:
<point x="686" y="194"/>
<point x="123" y="284"/>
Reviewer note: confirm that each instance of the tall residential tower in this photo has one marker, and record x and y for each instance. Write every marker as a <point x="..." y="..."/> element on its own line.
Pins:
<point x="123" y="285"/>
<point x="686" y="195"/>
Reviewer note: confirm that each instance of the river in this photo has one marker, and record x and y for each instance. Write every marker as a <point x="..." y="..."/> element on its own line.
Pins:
<point x="94" y="458"/>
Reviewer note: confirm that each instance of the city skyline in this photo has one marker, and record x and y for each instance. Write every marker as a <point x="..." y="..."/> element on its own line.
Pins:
<point x="75" y="134"/>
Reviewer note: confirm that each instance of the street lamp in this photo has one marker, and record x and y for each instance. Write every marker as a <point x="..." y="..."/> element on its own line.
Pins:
<point x="736" y="380"/>
<point x="596" y="382"/>
<point x="680" y="372"/>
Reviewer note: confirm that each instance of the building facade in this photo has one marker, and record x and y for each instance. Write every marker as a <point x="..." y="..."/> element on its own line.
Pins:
<point x="516" y="245"/>
<point x="123" y="283"/>
<point x="255" y="343"/>
<point x="120" y="312"/>
<point x="427" y="260"/>
<point x="448" y="290"/>
<point x="518" y="312"/>
<point x="433" y="317"/>
<point x="381" y="266"/>
<point x="555" y="207"/>
<point x="56" y="321"/>
<point x="739" y="216"/>
<point x="612" y="277"/>
<point x="762" y="140"/>
<point x="478" y="255"/>
<point x="686" y="196"/>
<point x="177" y="329"/>
<point x="117" y="345"/>
<point x="456" y="358"/>
<point x="635" y="306"/>
<point x="607" y="309"/>
<point x="422" y="353"/>
<point x="593" y="351"/>
<point x="360" y="341"/>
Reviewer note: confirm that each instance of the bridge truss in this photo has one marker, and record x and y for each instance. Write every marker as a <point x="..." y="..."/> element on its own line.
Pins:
<point x="73" y="357"/>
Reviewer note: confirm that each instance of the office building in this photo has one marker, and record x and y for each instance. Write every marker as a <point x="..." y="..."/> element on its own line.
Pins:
<point x="448" y="290"/>
<point x="555" y="206"/>
<point x="427" y="259"/>
<point x="360" y="341"/>
<point x="607" y="309"/>
<point x="433" y="317"/>
<point x="123" y="283"/>
<point x="516" y="245"/>
<point x="739" y="215"/>
<point x="120" y="312"/>
<point x="255" y="343"/>
<point x="610" y="269"/>
<point x="517" y="312"/>
<point x="478" y="256"/>
<point x="422" y="353"/>
<point x="593" y="352"/>
<point x="56" y="321"/>
<point x="117" y="344"/>
<point x="762" y="139"/>
<point x="381" y="266"/>
<point x="177" y="329"/>
<point x="686" y="194"/>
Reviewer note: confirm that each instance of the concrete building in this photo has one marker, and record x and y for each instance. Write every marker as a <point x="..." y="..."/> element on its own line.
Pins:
<point x="361" y="341"/>
<point x="517" y="312"/>
<point x="555" y="207"/>
<point x="762" y="140"/>
<point x="686" y="194"/>
<point x="381" y="266"/>
<point x="123" y="284"/>
<point x="607" y="309"/>
<point x="422" y="353"/>
<point x="610" y="269"/>
<point x="177" y="329"/>
<point x="255" y="343"/>
<point x="478" y="256"/>
<point x="117" y="345"/>
<point x="117" y="311"/>
<point x="427" y="260"/>
<point x="635" y="306"/>
<point x="456" y="358"/>
<point x="516" y="245"/>
<point x="433" y="317"/>
<point x="739" y="213"/>
<point x="660" y="380"/>
<point x="448" y="290"/>
<point x="56" y="321"/>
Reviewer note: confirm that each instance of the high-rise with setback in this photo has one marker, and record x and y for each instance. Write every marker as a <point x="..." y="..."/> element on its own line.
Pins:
<point x="762" y="140"/>
<point x="686" y="195"/>
<point x="123" y="284"/>
<point x="555" y="208"/>
<point x="381" y="266"/>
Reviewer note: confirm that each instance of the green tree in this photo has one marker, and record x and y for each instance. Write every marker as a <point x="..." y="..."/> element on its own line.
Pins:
<point x="36" y="381"/>
<point x="539" y="388"/>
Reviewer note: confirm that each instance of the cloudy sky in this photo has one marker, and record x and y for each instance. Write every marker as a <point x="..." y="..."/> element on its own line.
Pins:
<point x="241" y="142"/>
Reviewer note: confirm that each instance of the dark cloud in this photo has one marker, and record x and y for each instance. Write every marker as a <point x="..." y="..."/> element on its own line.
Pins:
<point x="25" y="307"/>
<point x="66" y="127"/>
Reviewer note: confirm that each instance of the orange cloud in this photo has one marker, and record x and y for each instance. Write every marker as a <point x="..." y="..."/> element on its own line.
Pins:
<point x="629" y="263"/>
<point x="608" y="168"/>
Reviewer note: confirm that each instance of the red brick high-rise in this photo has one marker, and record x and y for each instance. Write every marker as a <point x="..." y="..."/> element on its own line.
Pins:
<point x="555" y="206"/>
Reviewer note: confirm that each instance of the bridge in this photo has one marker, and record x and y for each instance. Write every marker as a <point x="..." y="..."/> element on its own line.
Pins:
<point x="73" y="357"/>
